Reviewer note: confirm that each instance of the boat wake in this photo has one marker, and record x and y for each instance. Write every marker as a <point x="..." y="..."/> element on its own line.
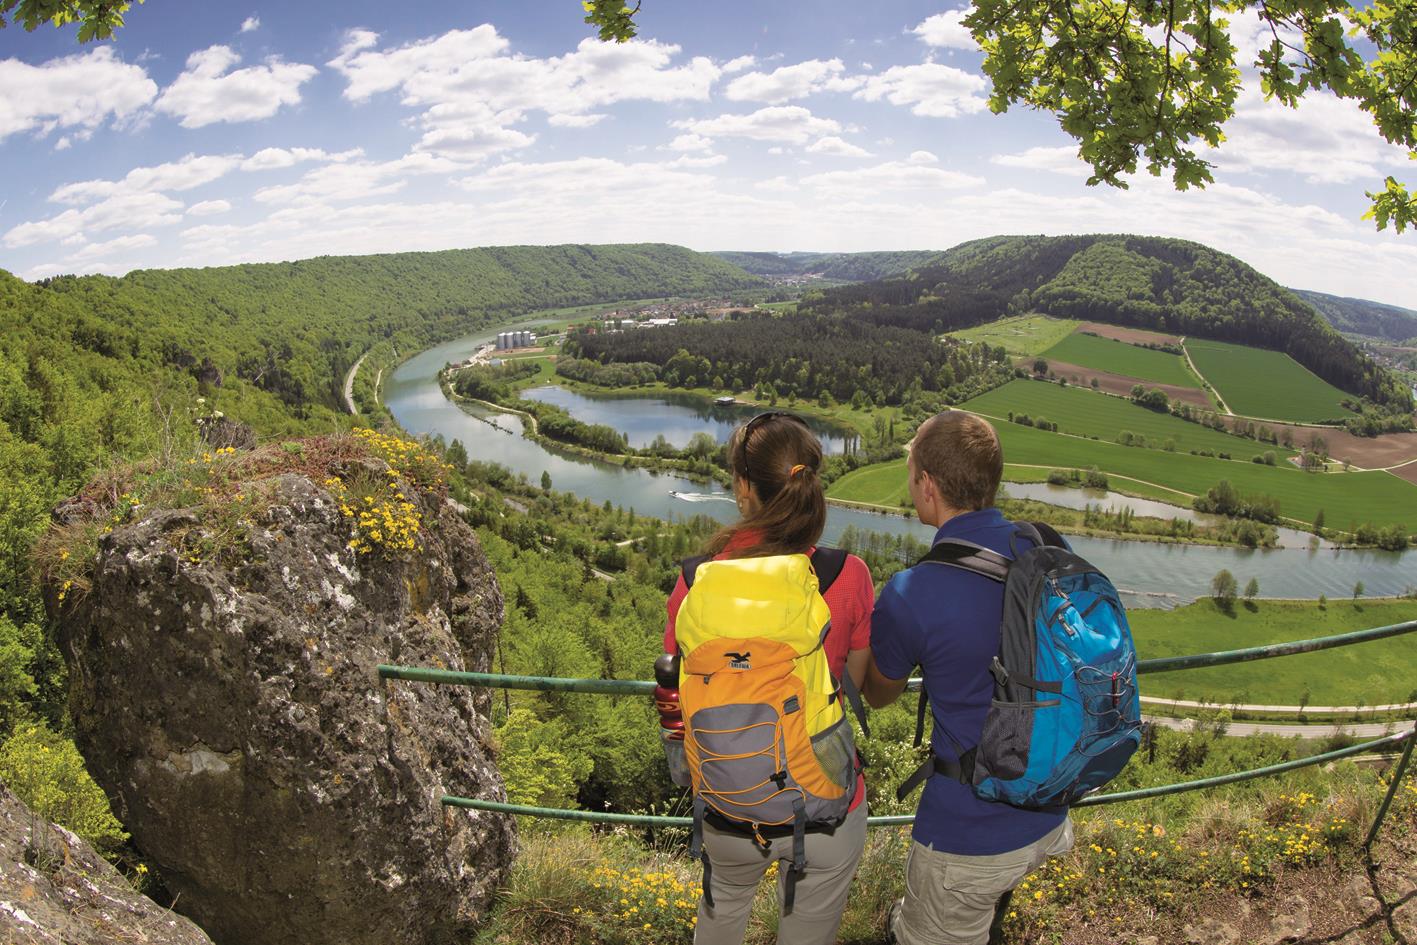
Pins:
<point x="701" y="496"/>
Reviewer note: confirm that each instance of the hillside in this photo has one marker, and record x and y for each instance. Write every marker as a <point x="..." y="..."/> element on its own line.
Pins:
<point x="1169" y="285"/>
<point x="1362" y="316"/>
<point x="840" y="267"/>
<point x="96" y="371"/>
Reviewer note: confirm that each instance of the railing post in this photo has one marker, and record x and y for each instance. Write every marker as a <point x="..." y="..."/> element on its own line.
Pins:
<point x="1397" y="774"/>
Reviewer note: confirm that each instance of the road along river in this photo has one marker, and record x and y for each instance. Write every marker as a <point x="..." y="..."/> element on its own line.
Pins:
<point x="1152" y="574"/>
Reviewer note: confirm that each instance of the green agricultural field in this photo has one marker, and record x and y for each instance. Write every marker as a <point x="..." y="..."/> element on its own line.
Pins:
<point x="1020" y="334"/>
<point x="1346" y="498"/>
<point x="1258" y="383"/>
<point x="1104" y="354"/>
<point x="1086" y="412"/>
<point x="1379" y="673"/>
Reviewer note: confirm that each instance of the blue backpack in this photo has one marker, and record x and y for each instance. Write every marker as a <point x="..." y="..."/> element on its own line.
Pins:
<point x="1066" y="715"/>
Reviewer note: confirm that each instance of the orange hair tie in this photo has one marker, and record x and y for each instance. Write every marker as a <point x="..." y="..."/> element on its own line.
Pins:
<point x="796" y="469"/>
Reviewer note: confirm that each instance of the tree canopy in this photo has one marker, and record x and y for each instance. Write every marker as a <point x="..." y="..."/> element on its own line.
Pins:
<point x="97" y="19"/>
<point x="1148" y="82"/>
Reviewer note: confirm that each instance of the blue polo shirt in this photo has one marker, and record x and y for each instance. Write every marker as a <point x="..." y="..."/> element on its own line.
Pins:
<point x="946" y="621"/>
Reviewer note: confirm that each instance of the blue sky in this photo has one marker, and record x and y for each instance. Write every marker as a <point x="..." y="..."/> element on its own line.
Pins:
<point x="215" y="133"/>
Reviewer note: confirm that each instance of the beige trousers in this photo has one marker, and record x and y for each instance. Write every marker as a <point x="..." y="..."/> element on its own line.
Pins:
<point x="949" y="898"/>
<point x="739" y="864"/>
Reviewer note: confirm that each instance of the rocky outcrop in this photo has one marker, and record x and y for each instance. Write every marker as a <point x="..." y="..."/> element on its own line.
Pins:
<point x="55" y="890"/>
<point x="224" y="693"/>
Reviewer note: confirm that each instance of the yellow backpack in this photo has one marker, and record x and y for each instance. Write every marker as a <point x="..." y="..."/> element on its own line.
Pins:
<point x="768" y="746"/>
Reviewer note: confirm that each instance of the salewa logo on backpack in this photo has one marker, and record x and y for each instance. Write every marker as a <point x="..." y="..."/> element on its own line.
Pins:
<point x="1066" y="714"/>
<point x="739" y="660"/>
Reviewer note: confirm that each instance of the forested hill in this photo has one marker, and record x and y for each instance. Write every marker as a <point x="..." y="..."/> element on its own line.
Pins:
<point x="1362" y="316"/>
<point x="293" y="329"/>
<point x="1148" y="282"/>
<point x="842" y="267"/>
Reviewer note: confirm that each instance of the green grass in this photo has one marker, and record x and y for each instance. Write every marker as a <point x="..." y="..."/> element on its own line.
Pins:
<point x="1117" y="357"/>
<point x="1258" y="383"/>
<point x="1380" y="673"/>
<point x="1087" y="412"/>
<point x="1346" y="498"/>
<point x="1020" y="334"/>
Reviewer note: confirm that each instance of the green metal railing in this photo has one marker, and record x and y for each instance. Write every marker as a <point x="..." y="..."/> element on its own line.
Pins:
<point x="624" y="687"/>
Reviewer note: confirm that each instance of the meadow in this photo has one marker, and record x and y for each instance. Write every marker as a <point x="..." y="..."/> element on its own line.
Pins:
<point x="1020" y="334"/>
<point x="1348" y="499"/>
<point x="1086" y="412"/>
<point x="1379" y="673"/>
<point x="1259" y="383"/>
<point x="1117" y="357"/>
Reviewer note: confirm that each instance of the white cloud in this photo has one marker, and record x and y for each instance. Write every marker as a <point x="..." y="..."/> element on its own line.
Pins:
<point x="575" y="121"/>
<point x="930" y="89"/>
<point x="919" y="157"/>
<point x="690" y="143"/>
<point x="700" y="160"/>
<point x="892" y="175"/>
<point x="789" y="82"/>
<point x="128" y="210"/>
<point x="738" y="65"/>
<point x="207" y="93"/>
<point x="355" y="179"/>
<point x="471" y="89"/>
<point x="1060" y="160"/>
<point x="946" y="30"/>
<point x="250" y="24"/>
<point x="208" y="208"/>
<point x="183" y="174"/>
<point x="77" y="91"/>
<point x="272" y="158"/>
<point x="1326" y="139"/>
<point x="63" y="144"/>
<point x="792" y="124"/>
<point x="95" y="250"/>
<point x="837" y="147"/>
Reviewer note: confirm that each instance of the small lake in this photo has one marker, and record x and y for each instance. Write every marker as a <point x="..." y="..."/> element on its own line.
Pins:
<point x="677" y="417"/>
<point x="1074" y="498"/>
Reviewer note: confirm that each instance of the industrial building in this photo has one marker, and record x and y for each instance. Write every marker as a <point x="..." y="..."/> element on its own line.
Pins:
<point x="507" y="340"/>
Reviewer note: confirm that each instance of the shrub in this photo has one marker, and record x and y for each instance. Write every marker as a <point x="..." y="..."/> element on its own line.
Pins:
<point x="46" y="771"/>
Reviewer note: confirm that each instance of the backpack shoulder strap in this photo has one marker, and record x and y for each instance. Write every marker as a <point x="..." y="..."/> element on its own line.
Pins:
<point x="1047" y="534"/>
<point x="968" y="556"/>
<point x="828" y="563"/>
<point x="688" y="566"/>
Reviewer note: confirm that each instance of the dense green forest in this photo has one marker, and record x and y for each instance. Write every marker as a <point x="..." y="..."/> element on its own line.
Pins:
<point x="98" y="371"/>
<point x="1362" y="316"/>
<point x="840" y="267"/>
<point x="1147" y="282"/>
<point x="807" y="357"/>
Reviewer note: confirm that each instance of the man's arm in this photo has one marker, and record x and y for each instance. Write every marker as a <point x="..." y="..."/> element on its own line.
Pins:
<point x="879" y="690"/>
<point x="893" y="635"/>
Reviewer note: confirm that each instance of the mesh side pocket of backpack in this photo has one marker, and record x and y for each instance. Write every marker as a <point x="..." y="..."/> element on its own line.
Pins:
<point x="835" y="748"/>
<point x="1006" y="739"/>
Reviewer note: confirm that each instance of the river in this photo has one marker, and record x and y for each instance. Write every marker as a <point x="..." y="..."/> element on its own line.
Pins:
<point x="1151" y="574"/>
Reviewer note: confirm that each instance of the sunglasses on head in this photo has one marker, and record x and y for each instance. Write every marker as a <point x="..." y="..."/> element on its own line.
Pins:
<point x="752" y="425"/>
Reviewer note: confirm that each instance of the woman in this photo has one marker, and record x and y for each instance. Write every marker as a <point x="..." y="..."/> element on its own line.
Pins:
<point x="774" y="458"/>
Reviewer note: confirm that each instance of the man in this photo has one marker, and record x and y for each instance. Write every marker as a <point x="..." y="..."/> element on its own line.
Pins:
<point x="968" y="854"/>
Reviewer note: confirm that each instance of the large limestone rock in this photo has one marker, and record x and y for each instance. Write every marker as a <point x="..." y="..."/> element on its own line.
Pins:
<point x="55" y="890"/>
<point x="231" y="709"/>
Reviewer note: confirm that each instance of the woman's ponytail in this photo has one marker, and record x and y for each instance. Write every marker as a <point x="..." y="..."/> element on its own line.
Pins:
<point x="779" y="457"/>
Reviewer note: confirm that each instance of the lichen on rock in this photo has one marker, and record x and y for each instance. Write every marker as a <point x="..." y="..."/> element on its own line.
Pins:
<point x="230" y="706"/>
<point x="56" y="890"/>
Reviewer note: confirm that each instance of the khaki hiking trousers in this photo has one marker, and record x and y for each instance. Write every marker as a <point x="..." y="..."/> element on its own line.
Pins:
<point x="739" y="864"/>
<point x="950" y="898"/>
